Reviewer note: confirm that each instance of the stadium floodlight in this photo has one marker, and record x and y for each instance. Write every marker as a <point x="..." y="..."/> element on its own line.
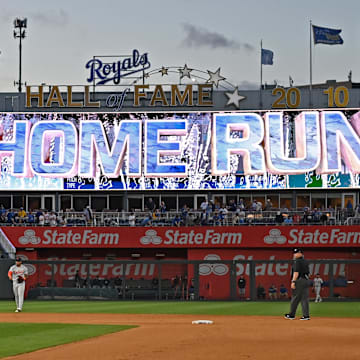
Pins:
<point x="19" y="33"/>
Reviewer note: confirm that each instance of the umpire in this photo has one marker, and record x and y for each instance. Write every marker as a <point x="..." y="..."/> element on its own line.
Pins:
<point x="300" y="285"/>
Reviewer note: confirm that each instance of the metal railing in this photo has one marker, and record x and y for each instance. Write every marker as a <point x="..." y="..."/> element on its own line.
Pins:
<point x="195" y="217"/>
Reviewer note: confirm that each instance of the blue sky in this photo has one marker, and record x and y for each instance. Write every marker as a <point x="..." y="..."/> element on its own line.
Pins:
<point x="62" y="36"/>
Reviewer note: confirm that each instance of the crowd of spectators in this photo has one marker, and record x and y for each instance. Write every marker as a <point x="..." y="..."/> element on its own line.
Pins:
<point x="209" y="214"/>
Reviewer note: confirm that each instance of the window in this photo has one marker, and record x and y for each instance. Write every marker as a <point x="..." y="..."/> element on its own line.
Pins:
<point x="80" y="202"/>
<point x="170" y="202"/>
<point x="99" y="203"/>
<point x="274" y="200"/>
<point x="302" y="201"/>
<point x="318" y="201"/>
<point x="18" y="201"/>
<point x="6" y="201"/>
<point x="285" y="201"/>
<point x="334" y="201"/>
<point x="188" y="200"/>
<point x="65" y="202"/>
<point x="116" y="202"/>
<point x="135" y="203"/>
<point x="34" y="202"/>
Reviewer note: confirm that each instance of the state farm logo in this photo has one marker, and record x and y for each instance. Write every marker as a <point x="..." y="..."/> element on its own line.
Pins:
<point x="29" y="238"/>
<point x="275" y="237"/>
<point x="216" y="269"/>
<point x="30" y="268"/>
<point x="151" y="237"/>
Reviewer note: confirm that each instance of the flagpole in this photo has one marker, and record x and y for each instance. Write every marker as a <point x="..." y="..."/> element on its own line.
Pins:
<point x="261" y="73"/>
<point x="310" y="65"/>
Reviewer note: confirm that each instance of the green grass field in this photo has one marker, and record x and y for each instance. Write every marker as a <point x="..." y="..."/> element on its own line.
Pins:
<point x="19" y="338"/>
<point x="324" y="309"/>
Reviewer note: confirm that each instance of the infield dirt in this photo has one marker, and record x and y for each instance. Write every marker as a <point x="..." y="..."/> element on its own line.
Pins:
<point x="173" y="337"/>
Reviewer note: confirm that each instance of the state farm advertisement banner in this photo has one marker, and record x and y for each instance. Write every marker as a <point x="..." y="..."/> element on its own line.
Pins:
<point x="183" y="237"/>
<point x="215" y="278"/>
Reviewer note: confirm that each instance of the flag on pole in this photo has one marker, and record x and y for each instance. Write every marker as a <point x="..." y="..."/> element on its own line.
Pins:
<point x="267" y="57"/>
<point x="327" y="36"/>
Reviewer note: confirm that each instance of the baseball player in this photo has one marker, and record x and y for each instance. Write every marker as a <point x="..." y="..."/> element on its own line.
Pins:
<point x="18" y="273"/>
<point x="318" y="281"/>
<point x="300" y="286"/>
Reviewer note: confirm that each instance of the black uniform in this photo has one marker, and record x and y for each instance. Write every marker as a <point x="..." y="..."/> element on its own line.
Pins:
<point x="301" y="292"/>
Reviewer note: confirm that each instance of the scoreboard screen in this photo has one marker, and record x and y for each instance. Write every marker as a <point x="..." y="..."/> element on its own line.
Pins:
<point x="180" y="151"/>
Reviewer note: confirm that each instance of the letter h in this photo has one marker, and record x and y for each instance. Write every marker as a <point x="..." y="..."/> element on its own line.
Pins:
<point x="18" y="147"/>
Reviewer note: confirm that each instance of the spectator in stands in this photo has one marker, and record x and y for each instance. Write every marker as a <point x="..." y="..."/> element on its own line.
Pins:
<point x="88" y="215"/>
<point x="184" y="214"/>
<point x="296" y="218"/>
<point x="162" y="207"/>
<point x="21" y="215"/>
<point x="232" y="205"/>
<point x="253" y="206"/>
<point x="236" y="219"/>
<point x="216" y="219"/>
<point x="31" y="219"/>
<point x="279" y="219"/>
<point x="156" y="215"/>
<point x="258" y="206"/>
<point x="283" y="291"/>
<point x="2" y="214"/>
<point x="260" y="291"/>
<point x="41" y="219"/>
<point x="223" y="212"/>
<point x="272" y="292"/>
<point x="46" y="218"/>
<point x="204" y="217"/>
<point x="147" y="220"/>
<point x="176" y="221"/>
<point x="324" y="218"/>
<point x="349" y="205"/>
<point x="132" y="219"/>
<point x="204" y="205"/>
<point x="357" y="211"/>
<point x="60" y="220"/>
<point x="209" y="209"/>
<point x="10" y="217"/>
<point x="288" y="220"/>
<point x="52" y="219"/>
<point x="268" y="205"/>
<point x="151" y="205"/>
<point x="38" y="213"/>
<point x="241" y="205"/>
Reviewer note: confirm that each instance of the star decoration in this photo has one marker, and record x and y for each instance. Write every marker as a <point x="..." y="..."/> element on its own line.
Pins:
<point x="146" y="75"/>
<point x="185" y="72"/>
<point x="234" y="98"/>
<point x="164" y="71"/>
<point x="215" y="77"/>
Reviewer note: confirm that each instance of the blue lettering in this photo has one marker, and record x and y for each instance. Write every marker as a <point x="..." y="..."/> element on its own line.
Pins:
<point x="18" y="148"/>
<point x="308" y="150"/>
<point x="41" y="136"/>
<point x="156" y="148"/>
<point x="93" y="141"/>
<point x="246" y="142"/>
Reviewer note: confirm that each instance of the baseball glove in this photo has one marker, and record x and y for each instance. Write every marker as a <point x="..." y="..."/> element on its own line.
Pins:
<point x="20" y="279"/>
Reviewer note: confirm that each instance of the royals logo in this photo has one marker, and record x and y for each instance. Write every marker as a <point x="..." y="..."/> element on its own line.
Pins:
<point x="102" y="73"/>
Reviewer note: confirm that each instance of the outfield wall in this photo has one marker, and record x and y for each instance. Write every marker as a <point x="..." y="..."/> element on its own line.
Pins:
<point x="234" y="245"/>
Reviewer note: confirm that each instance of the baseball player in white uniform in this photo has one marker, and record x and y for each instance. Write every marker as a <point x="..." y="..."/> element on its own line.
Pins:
<point x="318" y="281"/>
<point x="18" y="273"/>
